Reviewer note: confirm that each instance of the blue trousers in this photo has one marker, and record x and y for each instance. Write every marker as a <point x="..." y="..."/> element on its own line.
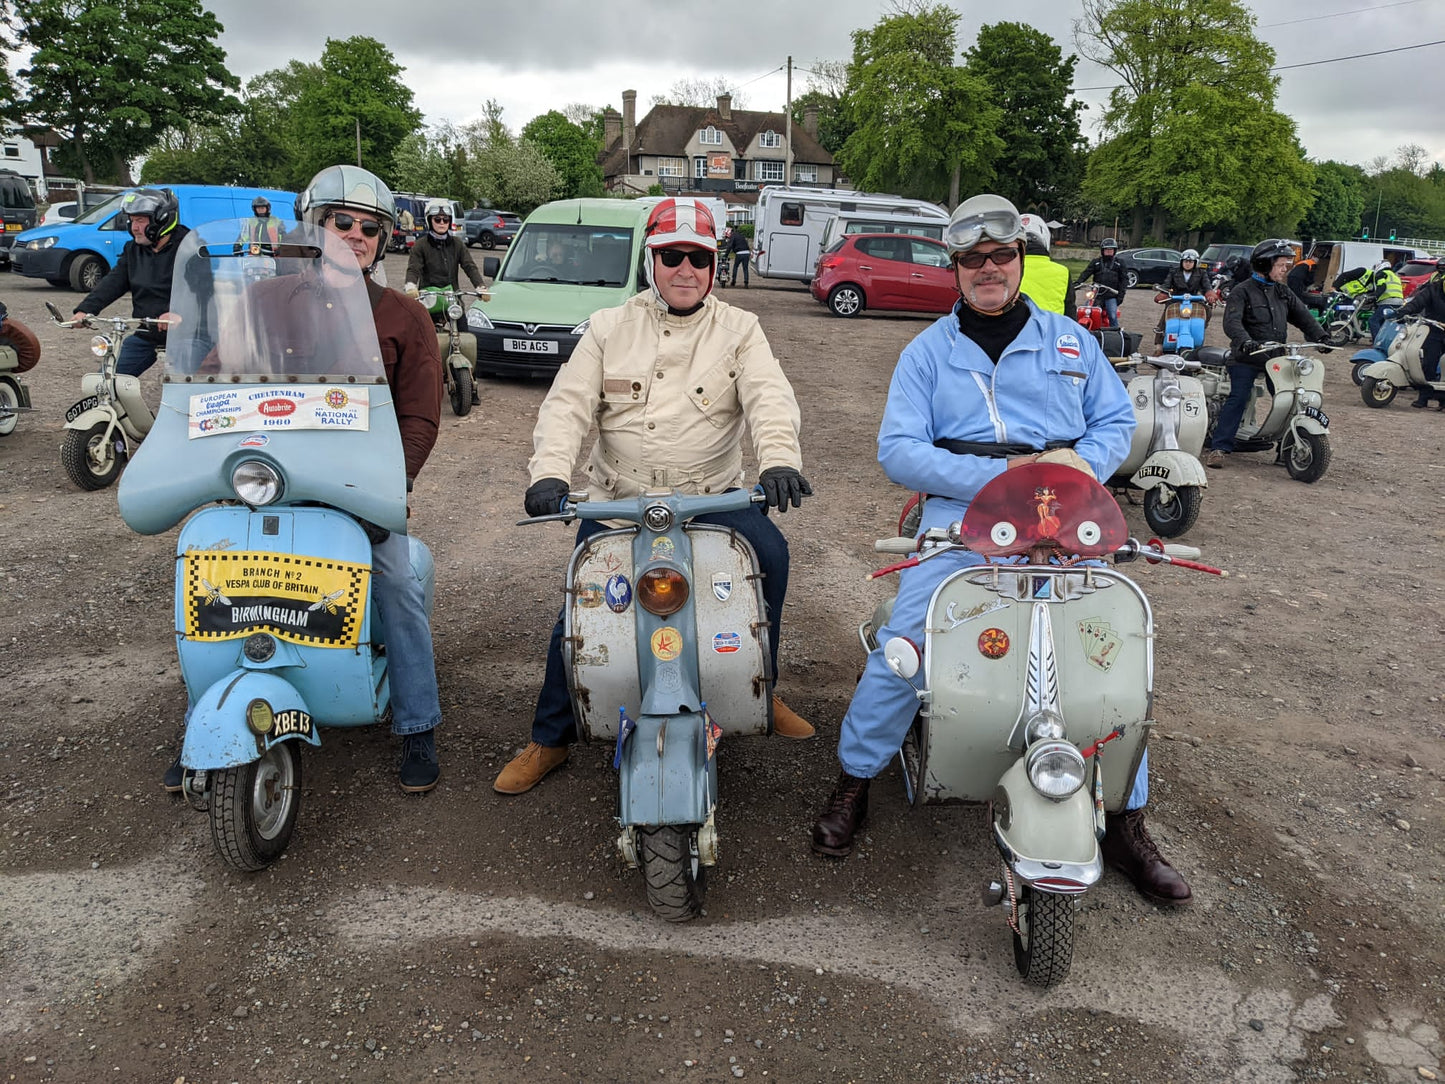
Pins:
<point x="553" y="723"/>
<point x="411" y="668"/>
<point x="1111" y="312"/>
<point x="136" y="356"/>
<point x="740" y="267"/>
<point x="1241" y="384"/>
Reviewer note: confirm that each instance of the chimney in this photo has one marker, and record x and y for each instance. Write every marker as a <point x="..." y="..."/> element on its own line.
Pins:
<point x="629" y="117"/>
<point x="810" y="120"/>
<point x="725" y="106"/>
<point x="611" y="127"/>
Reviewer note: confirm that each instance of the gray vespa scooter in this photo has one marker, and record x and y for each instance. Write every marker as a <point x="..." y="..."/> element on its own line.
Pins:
<point x="1171" y="419"/>
<point x="667" y="653"/>
<point x="1402" y="367"/>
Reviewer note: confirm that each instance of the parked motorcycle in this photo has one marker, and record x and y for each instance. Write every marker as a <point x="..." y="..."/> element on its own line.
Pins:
<point x="1037" y="688"/>
<point x="666" y="647"/>
<point x="14" y="392"/>
<point x="1295" y="427"/>
<point x="105" y="426"/>
<point x="458" y="348"/>
<point x="1403" y="366"/>
<point x="1171" y="419"/>
<point x="1348" y="320"/>
<point x="278" y="424"/>
<point x="1091" y="312"/>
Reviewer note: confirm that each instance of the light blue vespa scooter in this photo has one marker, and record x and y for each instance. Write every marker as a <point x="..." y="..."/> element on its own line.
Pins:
<point x="277" y="422"/>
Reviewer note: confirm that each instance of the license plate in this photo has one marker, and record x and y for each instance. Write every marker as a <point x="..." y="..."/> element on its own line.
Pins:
<point x="1317" y="414"/>
<point x="1344" y="308"/>
<point x="13" y="227"/>
<point x="88" y="403"/>
<point x="529" y="346"/>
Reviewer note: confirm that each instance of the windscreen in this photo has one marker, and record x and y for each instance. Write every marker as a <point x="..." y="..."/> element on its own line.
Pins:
<point x="102" y="212"/>
<point x="573" y="255"/>
<point x="249" y="312"/>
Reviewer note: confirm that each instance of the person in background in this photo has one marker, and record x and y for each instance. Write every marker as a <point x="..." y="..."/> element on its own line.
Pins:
<point x="1045" y="282"/>
<point x="1428" y="301"/>
<point x="1301" y="281"/>
<point x="1188" y="278"/>
<point x="1105" y="270"/>
<point x="439" y="255"/>
<point x="1386" y="294"/>
<point x="262" y="228"/>
<point x="741" y="249"/>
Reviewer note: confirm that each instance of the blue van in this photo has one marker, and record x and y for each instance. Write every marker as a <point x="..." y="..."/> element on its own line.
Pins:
<point x="78" y="254"/>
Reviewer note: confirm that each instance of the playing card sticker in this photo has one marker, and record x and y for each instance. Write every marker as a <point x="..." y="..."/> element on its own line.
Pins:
<point x="1101" y="643"/>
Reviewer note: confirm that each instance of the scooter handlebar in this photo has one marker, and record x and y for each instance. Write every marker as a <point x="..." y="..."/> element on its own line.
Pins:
<point x="896" y="545"/>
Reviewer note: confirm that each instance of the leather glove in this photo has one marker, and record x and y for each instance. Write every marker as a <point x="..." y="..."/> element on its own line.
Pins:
<point x="1069" y="458"/>
<point x="1246" y="355"/>
<point x="544" y="498"/>
<point x="781" y="485"/>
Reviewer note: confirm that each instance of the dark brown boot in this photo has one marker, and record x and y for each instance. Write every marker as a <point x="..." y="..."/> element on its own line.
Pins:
<point x="840" y="820"/>
<point x="1128" y="849"/>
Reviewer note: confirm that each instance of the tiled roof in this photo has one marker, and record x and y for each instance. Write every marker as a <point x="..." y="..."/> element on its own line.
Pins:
<point x="667" y="129"/>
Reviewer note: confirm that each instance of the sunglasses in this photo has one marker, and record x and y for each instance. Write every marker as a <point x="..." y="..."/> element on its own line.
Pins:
<point x="673" y="257"/>
<point x="442" y="218"/>
<point x="343" y="221"/>
<point x="1001" y="257"/>
<point x="1002" y="226"/>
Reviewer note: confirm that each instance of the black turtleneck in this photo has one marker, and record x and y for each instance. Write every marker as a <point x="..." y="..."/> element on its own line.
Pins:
<point x="994" y="333"/>
<point x="684" y="312"/>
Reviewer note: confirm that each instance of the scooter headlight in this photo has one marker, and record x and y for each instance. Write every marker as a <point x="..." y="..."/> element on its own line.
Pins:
<point x="662" y="591"/>
<point x="454" y="311"/>
<point x="1311" y="398"/>
<point x="256" y="482"/>
<point x="1170" y="396"/>
<point x="1056" y="769"/>
<point x="1045" y="726"/>
<point x="1304" y="366"/>
<point x="99" y="346"/>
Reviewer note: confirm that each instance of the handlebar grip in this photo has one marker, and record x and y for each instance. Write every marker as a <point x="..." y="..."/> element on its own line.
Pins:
<point x="1173" y="549"/>
<point x="896" y="545"/>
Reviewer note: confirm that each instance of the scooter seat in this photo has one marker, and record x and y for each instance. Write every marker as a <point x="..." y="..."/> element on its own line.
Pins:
<point x="1213" y="355"/>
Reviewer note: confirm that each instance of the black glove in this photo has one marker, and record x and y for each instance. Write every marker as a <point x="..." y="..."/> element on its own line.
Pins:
<point x="544" y="498"/>
<point x="1246" y="353"/>
<point x="781" y="485"/>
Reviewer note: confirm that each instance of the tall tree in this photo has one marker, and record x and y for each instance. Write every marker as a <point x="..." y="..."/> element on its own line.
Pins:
<point x="701" y="93"/>
<point x="436" y="161"/>
<point x="827" y="93"/>
<point x="1191" y="138"/>
<point x="112" y="75"/>
<point x="515" y="175"/>
<point x="9" y="90"/>
<point x="1338" y="204"/>
<point x="923" y="125"/>
<point x="572" y="152"/>
<point x="1033" y="83"/>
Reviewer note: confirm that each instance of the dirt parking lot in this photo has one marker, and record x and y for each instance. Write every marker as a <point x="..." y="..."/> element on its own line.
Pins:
<point x="1297" y="782"/>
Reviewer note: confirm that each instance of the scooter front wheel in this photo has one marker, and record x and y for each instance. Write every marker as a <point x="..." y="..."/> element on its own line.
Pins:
<point x="1169" y="511"/>
<point x="1377" y="393"/>
<point x="676" y="879"/>
<point x="91" y="461"/>
<point x="253" y="807"/>
<point x="1308" y="457"/>
<point x="1044" y="943"/>
<point x="461" y="391"/>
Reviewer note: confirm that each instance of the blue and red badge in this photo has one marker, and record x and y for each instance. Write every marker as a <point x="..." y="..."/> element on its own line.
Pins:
<point x="1068" y="346"/>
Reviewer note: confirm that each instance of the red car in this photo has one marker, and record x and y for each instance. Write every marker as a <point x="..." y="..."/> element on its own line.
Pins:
<point x="884" y="271"/>
<point x="1414" y="273"/>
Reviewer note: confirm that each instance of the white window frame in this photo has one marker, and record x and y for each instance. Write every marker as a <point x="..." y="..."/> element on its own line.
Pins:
<point x="808" y="174"/>
<point x="770" y="139"/>
<point x="699" y="167"/>
<point x="672" y="167"/>
<point x="710" y="136"/>
<point x="767" y="169"/>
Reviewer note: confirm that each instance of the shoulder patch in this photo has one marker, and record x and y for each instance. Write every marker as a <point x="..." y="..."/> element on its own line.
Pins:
<point x="1068" y="346"/>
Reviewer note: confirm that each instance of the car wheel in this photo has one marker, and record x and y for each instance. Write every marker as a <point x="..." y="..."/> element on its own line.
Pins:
<point x="846" y="300"/>
<point x="1131" y="279"/>
<point x="487" y="239"/>
<point x="86" y="273"/>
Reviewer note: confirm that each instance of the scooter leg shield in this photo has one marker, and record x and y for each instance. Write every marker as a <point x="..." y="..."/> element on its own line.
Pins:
<point x="1044" y="839"/>
<point x="666" y="774"/>
<point x="217" y="732"/>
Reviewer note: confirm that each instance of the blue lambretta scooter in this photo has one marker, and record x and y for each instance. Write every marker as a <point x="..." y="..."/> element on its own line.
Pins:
<point x="666" y="645"/>
<point x="277" y="422"/>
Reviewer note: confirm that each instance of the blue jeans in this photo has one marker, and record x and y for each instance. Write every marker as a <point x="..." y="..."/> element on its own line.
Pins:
<point x="410" y="668"/>
<point x="136" y="356"/>
<point x="553" y="723"/>
<point x="1111" y="312"/>
<point x="740" y="267"/>
<point x="1384" y="310"/>
<point x="1241" y="384"/>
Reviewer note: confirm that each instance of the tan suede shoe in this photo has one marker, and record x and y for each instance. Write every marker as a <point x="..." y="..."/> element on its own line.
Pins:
<point x="787" y="723"/>
<point x="526" y="769"/>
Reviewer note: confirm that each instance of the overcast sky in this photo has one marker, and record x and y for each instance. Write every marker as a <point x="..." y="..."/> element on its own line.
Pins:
<point x="536" y="55"/>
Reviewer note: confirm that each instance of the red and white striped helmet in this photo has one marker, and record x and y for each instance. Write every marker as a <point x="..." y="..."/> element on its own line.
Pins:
<point x="681" y="221"/>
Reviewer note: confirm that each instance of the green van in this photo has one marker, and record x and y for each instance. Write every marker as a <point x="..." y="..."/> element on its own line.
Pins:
<point x="570" y="259"/>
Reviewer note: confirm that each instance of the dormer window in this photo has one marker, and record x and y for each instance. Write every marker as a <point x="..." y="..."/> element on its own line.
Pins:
<point x="770" y="138"/>
<point x="710" y="135"/>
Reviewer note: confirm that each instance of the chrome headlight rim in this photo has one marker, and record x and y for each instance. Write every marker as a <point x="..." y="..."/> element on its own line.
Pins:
<point x="256" y="482"/>
<point x="455" y="311"/>
<point x="1056" y="769"/>
<point x="99" y="345"/>
<point x="1045" y="725"/>
<point x="1304" y="366"/>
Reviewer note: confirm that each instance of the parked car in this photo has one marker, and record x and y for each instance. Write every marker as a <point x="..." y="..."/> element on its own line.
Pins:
<point x="884" y="271"/>
<point x="488" y="229"/>
<point x="17" y="210"/>
<point x="1414" y="273"/>
<point x="1215" y="257"/>
<point x="1147" y="266"/>
<point x="59" y="212"/>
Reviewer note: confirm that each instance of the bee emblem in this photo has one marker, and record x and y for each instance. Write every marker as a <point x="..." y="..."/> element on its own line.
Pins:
<point x="327" y="602"/>
<point x="213" y="593"/>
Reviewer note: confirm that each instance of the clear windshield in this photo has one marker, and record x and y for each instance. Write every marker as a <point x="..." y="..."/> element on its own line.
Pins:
<point x="575" y="255"/>
<point x="104" y="211"/>
<point x="297" y="309"/>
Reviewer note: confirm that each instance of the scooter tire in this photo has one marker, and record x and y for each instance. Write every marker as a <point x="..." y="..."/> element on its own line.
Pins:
<point x="461" y="391"/>
<point x="1044" y="943"/>
<point x="1377" y="393"/>
<point x="1308" y="457"/>
<point x="676" y="880"/>
<point x="1171" y="514"/>
<point x="253" y="807"/>
<point x="90" y="471"/>
<point x="1356" y="370"/>
<point x="9" y="409"/>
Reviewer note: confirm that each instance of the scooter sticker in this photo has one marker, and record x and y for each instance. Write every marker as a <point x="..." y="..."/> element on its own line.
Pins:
<point x="619" y="593"/>
<point x="977" y="611"/>
<point x="714" y="734"/>
<point x="663" y="549"/>
<point x="589" y="595"/>
<point x="306" y="600"/>
<point x="1101" y="643"/>
<point x="993" y="643"/>
<point x="727" y="643"/>
<point x="722" y="585"/>
<point x="255" y="440"/>
<point x="1068" y="346"/>
<point x="667" y="643"/>
<point x="247" y="410"/>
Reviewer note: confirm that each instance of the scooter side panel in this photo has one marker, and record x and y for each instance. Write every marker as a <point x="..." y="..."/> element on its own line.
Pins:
<point x="127" y="390"/>
<point x="732" y="633"/>
<point x="1390" y="371"/>
<point x="667" y="776"/>
<point x="601" y="649"/>
<point x="1141" y="397"/>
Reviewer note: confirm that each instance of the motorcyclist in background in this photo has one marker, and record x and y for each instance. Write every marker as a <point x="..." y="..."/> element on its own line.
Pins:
<point x="1046" y="283"/>
<point x="262" y="228"/>
<point x="1187" y="278"/>
<point x="1107" y="271"/>
<point x="439" y="254"/>
<point x="1385" y="292"/>
<point x="1301" y="281"/>
<point x="1428" y="301"/>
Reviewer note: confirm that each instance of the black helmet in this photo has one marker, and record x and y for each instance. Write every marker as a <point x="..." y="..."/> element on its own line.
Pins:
<point x="1108" y="242"/>
<point x="159" y="203"/>
<point x="1266" y="252"/>
<point x="259" y="204"/>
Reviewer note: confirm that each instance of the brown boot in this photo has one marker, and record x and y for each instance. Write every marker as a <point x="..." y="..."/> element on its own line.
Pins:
<point x="787" y="723"/>
<point x="1128" y="849"/>
<point x="846" y="810"/>
<point x="526" y="769"/>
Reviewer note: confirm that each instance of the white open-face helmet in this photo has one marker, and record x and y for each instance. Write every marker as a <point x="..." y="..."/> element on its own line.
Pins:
<point x="438" y="207"/>
<point x="1034" y="228"/>
<point x="348" y="188"/>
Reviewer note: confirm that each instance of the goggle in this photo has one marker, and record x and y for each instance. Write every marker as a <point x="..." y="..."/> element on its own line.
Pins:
<point x="1002" y="226"/>
<point x="344" y="222"/>
<point x="1000" y="257"/>
<point x="673" y="257"/>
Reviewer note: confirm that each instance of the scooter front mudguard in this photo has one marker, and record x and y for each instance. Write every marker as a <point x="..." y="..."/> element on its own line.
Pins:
<point x="667" y="776"/>
<point x="1046" y="843"/>
<point x="217" y="733"/>
<point x="1174" y="468"/>
<point x="1307" y="424"/>
<point x="94" y="416"/>
<point x="1390" y="371"/>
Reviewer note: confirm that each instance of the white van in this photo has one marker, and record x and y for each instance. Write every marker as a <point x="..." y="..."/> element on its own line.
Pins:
<point x="1336" y="256"/>
<point x="842" y="225"/>
<point x="790" y="222"/>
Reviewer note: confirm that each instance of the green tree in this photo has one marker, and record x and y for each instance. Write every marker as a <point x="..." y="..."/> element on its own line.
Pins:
<point x="923" y="126"/>
<point x="1032" y="82"/>
<point x="1339" y="202"/>
<point x="515" y="175"/>
<point x="827" y="92"/>
<point x="1191" y="138"/>
<point x="9" y="89"/>
<point x="435" y="161"/>
<point x="572" y="152"/>
<point x="112" y="76"/>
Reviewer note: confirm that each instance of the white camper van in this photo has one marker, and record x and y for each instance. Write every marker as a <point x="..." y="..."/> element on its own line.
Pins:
<point x="790" y="222"/>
